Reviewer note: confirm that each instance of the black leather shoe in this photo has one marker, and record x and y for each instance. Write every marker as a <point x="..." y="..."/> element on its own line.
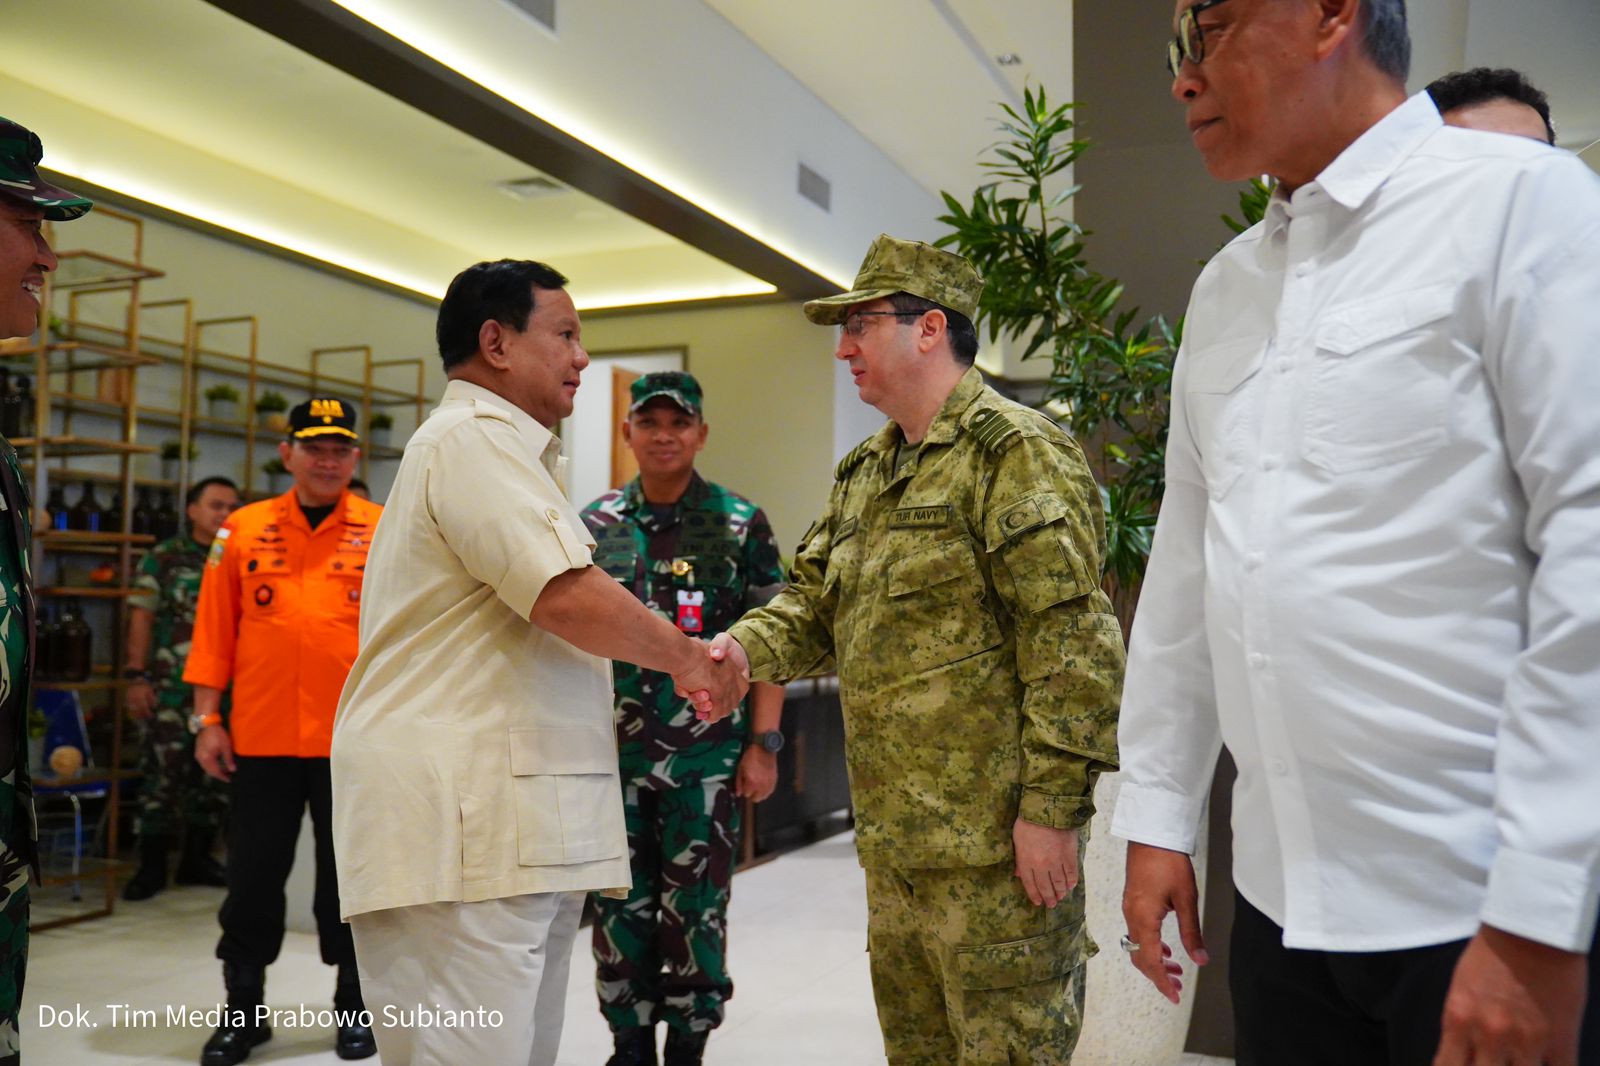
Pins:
<point x="355" y="1041"/>
<point x="634" y="1047"/>
<point x="231" y="1044"/>
<point x="684" y="1048"/>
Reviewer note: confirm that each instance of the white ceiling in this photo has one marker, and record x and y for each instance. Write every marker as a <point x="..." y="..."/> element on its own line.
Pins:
<point x="177" y="103"/>
<point x="919" y="78"/>
<point x="180" y="104"/>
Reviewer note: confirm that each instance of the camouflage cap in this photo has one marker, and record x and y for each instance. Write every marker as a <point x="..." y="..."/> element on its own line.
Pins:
<point x="20" y="152"/>
<point x="323" y="416"/>
<point x="893" y="266"/>
<point x="677" y="386"/>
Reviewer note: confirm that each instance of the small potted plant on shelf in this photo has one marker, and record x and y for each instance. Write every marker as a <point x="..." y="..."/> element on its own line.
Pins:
<point x="171" y="455"/>
<point x="270" y="408"/>
<point x="275" y="471"/>
<point x="378" y="429"/>
<point x="222" y="402"/>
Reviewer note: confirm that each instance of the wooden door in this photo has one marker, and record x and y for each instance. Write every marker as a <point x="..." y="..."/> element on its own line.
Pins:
<point x="624" y="468"/>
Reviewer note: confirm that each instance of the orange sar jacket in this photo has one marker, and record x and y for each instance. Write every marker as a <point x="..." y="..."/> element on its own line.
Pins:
<point x="278" y="614"/>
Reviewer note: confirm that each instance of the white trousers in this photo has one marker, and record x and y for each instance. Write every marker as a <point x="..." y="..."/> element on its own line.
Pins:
<point x="453" y="983"/>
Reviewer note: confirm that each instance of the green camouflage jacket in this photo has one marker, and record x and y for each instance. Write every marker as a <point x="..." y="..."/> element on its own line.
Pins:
<point x="980" y="666"/>
<point x="168" y="586"/>
<point x="17" y="627"/>
<point x="713" y="545"/>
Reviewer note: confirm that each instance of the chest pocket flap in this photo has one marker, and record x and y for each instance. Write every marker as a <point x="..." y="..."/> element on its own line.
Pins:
<point x="943" y="563"/>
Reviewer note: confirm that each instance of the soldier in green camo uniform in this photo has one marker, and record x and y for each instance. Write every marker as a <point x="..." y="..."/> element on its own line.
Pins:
<point x="160" y="624"/>
<point x="954" y="580"/>
<point x="26" y="201"/>
<point x="701" y="556"/>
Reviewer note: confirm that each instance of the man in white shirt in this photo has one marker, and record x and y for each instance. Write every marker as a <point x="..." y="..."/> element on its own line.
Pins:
<point x="475" y="789"/>
<point x="1375" y="574"/>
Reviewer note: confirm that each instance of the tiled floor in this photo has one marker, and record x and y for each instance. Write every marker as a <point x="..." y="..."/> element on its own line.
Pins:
<point x="797" y="951"/>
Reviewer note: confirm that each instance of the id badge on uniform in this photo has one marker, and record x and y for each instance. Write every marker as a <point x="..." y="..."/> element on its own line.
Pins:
<point x="691" y="606"/>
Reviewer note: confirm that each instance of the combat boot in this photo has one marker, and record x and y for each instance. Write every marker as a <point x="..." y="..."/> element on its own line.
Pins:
<point x="684" y="1048"/>
<point x="634" y="1047"/>
<point x="196" y="866"/>
<point x="239" y="1031"/>
<point x="354" y="1039"/>
<point x="151" y="877"/>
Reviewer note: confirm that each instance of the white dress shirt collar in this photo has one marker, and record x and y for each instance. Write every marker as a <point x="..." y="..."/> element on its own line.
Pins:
<point x="1369" y="161"/>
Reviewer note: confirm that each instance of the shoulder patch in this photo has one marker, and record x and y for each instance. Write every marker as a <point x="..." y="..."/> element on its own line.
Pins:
<point x="218" y="544"/>
<point x="994" y="428"/>
<point x="851" y="461"/>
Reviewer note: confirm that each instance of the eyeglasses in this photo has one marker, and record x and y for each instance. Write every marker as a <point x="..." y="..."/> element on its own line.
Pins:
<point x="1190" y="43"/>
<point x="854" y="324"/>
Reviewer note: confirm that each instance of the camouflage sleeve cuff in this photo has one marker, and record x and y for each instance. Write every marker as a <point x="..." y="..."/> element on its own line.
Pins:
<point x="144" y="600"/>
<point x="763" y="663"/>
<point x="1057" y="812"/>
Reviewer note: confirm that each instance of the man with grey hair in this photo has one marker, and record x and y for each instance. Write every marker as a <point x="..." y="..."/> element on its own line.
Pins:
<point x="1373" y="575"/>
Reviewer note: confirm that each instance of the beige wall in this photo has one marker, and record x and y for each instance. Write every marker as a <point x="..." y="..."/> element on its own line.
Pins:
<point x="768" y="376"/>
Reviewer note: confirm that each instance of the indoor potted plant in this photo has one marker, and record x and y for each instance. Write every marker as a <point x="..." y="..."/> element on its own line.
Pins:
<point x="222" y="402"/>
<point x="171" y="457"/>
<point x="275" y="471"/>
<point x="379" y="428"/>
<point x="270" y="411"/>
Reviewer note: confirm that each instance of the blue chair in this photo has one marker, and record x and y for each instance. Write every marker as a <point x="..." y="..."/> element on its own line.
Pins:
<point x="64" y="726"/>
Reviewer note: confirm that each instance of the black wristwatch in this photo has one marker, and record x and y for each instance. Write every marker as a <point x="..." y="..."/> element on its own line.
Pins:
<point x="138" y="675"/>
<point x="772" y="742"/>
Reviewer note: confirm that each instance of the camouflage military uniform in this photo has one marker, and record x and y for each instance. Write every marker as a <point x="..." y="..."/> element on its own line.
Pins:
<point x="168" y="586"/>
<point x="682" y="816"/>
<point x="980" y="668"/>
<point x="18" y="832"/>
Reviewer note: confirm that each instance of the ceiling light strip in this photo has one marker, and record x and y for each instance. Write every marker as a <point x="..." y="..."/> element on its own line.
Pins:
<point x="402" y="27"/>
<point x="309" y="247"/>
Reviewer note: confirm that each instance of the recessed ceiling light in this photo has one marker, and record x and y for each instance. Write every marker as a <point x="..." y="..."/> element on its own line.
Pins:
<point x="1008" y="59"/>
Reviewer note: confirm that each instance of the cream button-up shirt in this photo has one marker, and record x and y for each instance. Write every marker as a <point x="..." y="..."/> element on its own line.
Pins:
<point x="1376" y="574"/>
<point x="473" y="752"/>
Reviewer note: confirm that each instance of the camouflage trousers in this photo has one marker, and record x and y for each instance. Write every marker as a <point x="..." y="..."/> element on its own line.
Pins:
<point x="661" y="954"/>
<point x="13" y="924"/>
<point x="966" y="970"/>
<point x="173" y="789"/>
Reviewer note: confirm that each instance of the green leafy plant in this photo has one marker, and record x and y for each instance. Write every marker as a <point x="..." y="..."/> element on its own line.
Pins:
<point x="1110" y="372"/>
<point x="273" y="467"/>
<point x="381" y="420"/>
<point x="223" y="391"/>
<point x="269" y="402"/>
<point x="173" y="450"/>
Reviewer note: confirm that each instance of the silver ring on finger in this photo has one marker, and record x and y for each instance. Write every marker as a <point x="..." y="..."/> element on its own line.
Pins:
<point x="1129" y="944"/>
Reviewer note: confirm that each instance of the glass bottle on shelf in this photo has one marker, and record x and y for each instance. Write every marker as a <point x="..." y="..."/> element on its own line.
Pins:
<point x="56" y="507"/>
<point x="165" y="520"/>
<point x="22" y="396"/>
<point x="76" y="643"/>
<point x="143" y="513"/>
<point x="112" y="523"/>
<point x="86" y="513"/>
<point x="46" y="644"/>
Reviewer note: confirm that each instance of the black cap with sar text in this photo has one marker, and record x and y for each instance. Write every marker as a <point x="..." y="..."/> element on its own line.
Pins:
<point x="323" y="416"/>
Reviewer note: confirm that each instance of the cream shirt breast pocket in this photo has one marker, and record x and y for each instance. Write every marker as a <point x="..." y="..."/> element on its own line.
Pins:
<point x="1218" y="400"/>
<point x="1380" y="382"/>
<point x="569" y="802"/>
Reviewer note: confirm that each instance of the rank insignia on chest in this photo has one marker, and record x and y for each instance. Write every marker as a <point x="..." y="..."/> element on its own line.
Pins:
<point x="691" y="610"/>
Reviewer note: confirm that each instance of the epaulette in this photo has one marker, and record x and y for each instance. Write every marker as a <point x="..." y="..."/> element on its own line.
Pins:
<point x="851" y="461"/>
<point x="995" y="429"/>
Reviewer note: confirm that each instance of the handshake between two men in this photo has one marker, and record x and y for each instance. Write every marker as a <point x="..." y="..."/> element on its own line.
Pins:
<point x="714" y="678"/>
<point x="591" y="611"/>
